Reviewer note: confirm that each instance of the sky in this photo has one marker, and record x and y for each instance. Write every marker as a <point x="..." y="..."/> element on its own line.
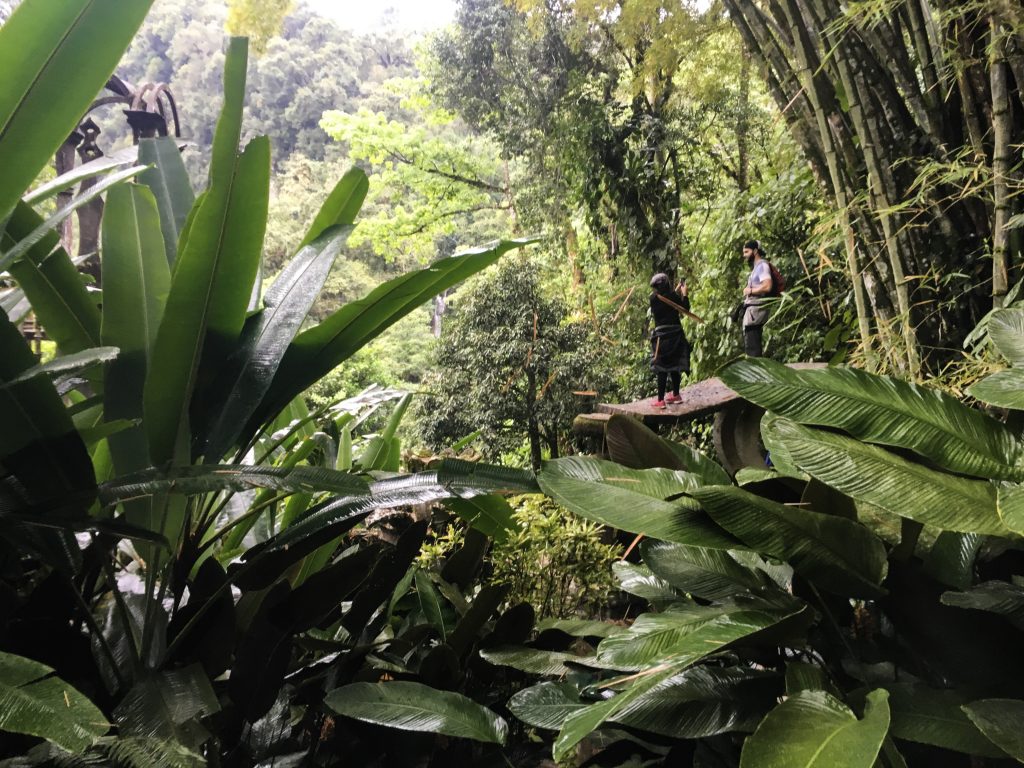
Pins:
<point x="366" y="15"/>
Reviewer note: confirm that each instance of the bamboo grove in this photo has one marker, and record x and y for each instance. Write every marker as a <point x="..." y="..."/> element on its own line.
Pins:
<point x="909" y="112"/>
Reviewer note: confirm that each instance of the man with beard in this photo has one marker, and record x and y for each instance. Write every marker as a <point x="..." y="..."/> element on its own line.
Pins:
<point x="755" y="297"/>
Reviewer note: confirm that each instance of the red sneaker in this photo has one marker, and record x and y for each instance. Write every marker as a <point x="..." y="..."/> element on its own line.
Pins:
<point x="672" y="399"/>
<point x="657" y="404"/>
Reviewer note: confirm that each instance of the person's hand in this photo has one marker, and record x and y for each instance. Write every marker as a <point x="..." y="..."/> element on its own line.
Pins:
<point x="746" y="291"/>
<point x="682" y="289"/>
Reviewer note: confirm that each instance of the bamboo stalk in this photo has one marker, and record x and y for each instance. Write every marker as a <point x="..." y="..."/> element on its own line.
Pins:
<point x="1002" y="161"/>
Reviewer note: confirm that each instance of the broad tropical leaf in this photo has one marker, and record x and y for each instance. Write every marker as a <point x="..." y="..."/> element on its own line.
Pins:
<point x="883" y="410"/>
<point x="689" y="632"/>
<point x="1004" y="389"/>
<point x="709" y="573"/>
<point x="1000" y="720"/>
<point x="581" y="627"/>
<point x="572" y="485"/>
<point x="317" y="351"/>
<point x="837" y="554"/>
<point x="73" y="363"/>
<point x="641" y="581"/>
<point x="416" y="707"/>
<point x="703" y="701"/>
<point x="35" y="702"/>
<point x="632" y="444"/>
<point x="951" y="558"/>
<point x="871" y="474"/>
<point x="1010" y="506"/>
<point x="168" y="180"/>
<point x="98" y="167"/>
<point x="168" y="706"/>
<point x="999" y="597"/>
<point x="211" y="478"/>
<point x="213" y="275"/>
<point x="658" y="483"/>
<point x="38" y="442"/>
<point x="812" y="729"/>
<point x="491" y="515"/>
<point x="341" y="207"/>
<point x="266" y="336"/>
<point x="534" y="661"/>
<point x="26" y="243"/>
<point x="930" y="716"/>
<point x="546" y="705"/>
<point x="1006" y="330"/>
<point x="54" y="287"/>
<point x="55" y="58"/>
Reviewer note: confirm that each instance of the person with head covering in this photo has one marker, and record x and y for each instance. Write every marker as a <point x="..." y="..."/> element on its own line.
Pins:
<point x="755" y="296"/>
<point x="670" y="351"/>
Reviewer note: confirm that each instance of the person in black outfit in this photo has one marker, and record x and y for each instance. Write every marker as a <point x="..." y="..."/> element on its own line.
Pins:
<point x="670" y="351"/>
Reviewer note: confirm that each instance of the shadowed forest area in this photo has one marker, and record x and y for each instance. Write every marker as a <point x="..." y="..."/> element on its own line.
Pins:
<point x="312" y="341"/>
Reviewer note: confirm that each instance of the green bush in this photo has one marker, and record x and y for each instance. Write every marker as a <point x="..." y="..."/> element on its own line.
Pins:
<point x="555" y="561"/>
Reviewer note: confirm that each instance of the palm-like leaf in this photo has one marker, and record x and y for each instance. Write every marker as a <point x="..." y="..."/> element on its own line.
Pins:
<point x="883" y="410"/>
<point x="708" y="573"/>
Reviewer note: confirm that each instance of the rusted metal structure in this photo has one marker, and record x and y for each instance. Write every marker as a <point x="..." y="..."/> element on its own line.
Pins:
<point x="151" y="111"/>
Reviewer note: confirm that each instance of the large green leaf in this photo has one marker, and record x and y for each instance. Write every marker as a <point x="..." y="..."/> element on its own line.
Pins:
<point x="53" y="286"/>
<point x="38" y="442"/>
<point x="213" y="275"/>
<point x="491" y="515"/>
<point x="1004" y="389"/>
<point x="837" y="554"/>
<point x="703" y="701"/>
<point x="317" y="351"/>
<point x="211" y="478"/>
<point x="999" y="597"/>
<point x="24" y="245"/>
<point x="55" y="58"/>
<point x="76" y="362"/>
<point x="935" y="717"/>
<point x="34" y="702"/>
<point x="690" y="632"/>
<point x="102" y="165"/>
<point x="709" y="573"/>
<point x="632" y="444"/>
<point x="168" y="706"/>
<point x="815" y="730"/>
<point x="266" y="336"/>
<point x="1000" y="720"/>
<point x="1006" y="330"/>
<point x="1010" y="506"/>
<point x="641" y="581"/>
<point x="883" y="410"/>
<point x="572" y="484"/>
<point x="658" y="483"/>
<point x="341" y="207"/>
<point x="416" y="707"/>
<point x="546" y="705"/>
<point x="871" y="474"/>
<point x="537" y="662"/>
<point x="168" y="179"/>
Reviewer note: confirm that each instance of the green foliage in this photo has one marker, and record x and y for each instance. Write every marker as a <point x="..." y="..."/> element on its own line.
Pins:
<point x="508" y="361"/>
<point x="554" y="561"/>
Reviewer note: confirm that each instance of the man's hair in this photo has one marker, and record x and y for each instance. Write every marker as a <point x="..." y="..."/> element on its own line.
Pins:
<point x="754" y="245"/>
<point x="659" y="280"/>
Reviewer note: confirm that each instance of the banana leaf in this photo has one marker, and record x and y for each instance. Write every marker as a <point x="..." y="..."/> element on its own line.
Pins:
<point x="341" y="207"/>
<point x="1006" y="330"/>
<point x="709" y="573"/>
<point x="930" y="716"/>
<point x="168" y="180"/>
<point x="1004" y="389"/>
<point x="632" y="444"/>
<point x="883" y="410"/>
<point x="998" y="597"/>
